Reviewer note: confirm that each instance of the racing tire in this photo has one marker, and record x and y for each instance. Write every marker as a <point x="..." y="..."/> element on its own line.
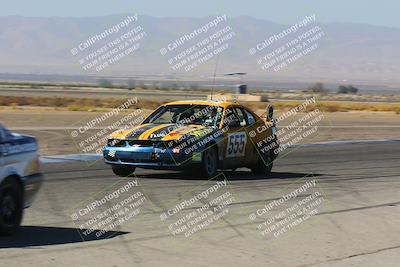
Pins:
<point x="11" y="206"/>
<point x="263" y="166"/>
<point x="209" y="162"/>
<point x="123" y="171"/>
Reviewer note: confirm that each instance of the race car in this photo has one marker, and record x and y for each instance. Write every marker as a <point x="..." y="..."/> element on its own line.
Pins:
<point x="196" y="136"/>
<point x="20" y="177"/>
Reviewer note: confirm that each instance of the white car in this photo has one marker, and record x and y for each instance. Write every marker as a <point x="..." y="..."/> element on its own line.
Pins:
<point x="20" y="177"/>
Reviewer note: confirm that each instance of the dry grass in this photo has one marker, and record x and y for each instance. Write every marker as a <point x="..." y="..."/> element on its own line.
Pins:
<point x="333" y="106"/>
<point x="92" y="104"/>
<point x="72" y="104"/>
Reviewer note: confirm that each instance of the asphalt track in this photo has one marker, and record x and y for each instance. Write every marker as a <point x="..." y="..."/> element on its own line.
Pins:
<point x="357" y="224"/>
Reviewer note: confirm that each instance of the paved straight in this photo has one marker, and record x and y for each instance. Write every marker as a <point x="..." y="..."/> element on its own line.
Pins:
<point x="355" y="223"/>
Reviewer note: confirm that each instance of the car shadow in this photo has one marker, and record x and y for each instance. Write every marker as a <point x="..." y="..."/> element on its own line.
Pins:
<point x="230" y="175"/>
<point x="33" y="236"/>
<point x="242" y="175"/>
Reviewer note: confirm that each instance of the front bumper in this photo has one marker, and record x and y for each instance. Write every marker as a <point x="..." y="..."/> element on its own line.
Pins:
<point x="32" y="184"/>
<point x="147" y="157"/>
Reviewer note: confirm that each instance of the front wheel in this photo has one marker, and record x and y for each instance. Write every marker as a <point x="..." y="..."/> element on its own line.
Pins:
<point x="11" y="206"/>
<point x="123" y="171"/>
<point x="209" y="163"/>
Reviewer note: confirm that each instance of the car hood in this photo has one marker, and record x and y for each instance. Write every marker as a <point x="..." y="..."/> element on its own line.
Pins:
<point x="161" y="132"/>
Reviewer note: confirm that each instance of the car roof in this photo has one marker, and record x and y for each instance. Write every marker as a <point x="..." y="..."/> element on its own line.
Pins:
<point x="202" y="102"/>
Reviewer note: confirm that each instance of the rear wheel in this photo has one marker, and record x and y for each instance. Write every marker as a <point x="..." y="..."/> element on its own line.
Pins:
<point x="263" y="166"/>
<point x="11" y="206"/>
<point x="123" y="171"/>
<point x="209" y="162"/>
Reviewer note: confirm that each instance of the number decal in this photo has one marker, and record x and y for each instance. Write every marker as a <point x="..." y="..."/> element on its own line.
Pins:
<point x="236" y="145"/>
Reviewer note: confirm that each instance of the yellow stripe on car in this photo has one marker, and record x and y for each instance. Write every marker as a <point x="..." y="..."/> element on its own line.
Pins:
<point x="124" y="133"/>
<point x="148" y="133"/>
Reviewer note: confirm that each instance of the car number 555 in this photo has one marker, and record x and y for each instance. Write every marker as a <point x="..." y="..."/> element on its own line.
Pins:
<point x="236" y="145"/>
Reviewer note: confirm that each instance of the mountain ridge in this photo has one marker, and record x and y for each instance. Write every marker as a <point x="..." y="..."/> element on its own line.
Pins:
<point x="350" y="51"/>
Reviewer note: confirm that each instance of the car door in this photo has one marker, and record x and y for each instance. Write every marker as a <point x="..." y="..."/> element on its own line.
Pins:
<point x="253" y="126"/>
<point x="236" y="146"/>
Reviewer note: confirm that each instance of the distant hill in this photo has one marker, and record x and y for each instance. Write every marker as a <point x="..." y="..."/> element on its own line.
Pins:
<point x="348" y="51"/>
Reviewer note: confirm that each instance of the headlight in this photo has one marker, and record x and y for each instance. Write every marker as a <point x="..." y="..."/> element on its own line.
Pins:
<point x="110" y="142"/>
<point x="115" y="142"/>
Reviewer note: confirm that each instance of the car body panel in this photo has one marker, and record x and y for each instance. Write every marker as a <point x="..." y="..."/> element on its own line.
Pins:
<point x="19" y="158"/>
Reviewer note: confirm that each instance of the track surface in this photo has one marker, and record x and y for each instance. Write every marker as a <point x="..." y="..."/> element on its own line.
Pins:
<point x="358" y="224"/>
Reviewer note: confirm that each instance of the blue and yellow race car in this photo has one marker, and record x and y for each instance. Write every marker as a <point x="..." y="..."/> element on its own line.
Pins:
<point x="202" y="135"/>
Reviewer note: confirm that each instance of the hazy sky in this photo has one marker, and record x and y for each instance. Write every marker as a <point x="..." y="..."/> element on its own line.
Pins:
<point x="382" y="12"/>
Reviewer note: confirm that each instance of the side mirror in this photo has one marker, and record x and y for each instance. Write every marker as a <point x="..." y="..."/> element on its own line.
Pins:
<point x="270" y="113"/>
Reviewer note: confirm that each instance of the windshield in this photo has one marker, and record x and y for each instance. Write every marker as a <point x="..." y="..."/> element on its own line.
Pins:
<point x="186" y="114"/>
